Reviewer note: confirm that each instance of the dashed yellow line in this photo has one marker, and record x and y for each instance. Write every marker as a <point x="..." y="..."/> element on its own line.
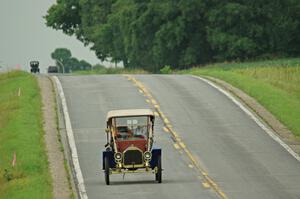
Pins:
<point x="166" y="121"/>
<point x="166" y="129"/>
<point x="182" y="145"/>
<point x="209" y="183"/>
<point x="153" y="101"/>
<point x="205" y="185"/>
<point x="176" y="146"/>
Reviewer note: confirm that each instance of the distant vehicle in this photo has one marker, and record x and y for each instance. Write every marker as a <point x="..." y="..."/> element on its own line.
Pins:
<point x="52" y="69"/>
<point x="129" y="144"/>
<point x="34" y="65"/>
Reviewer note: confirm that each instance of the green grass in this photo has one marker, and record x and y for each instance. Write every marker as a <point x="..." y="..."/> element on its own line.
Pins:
<point x="111" y="71"/>
<point x="274" y="84"/>
<point x="21" y="132"/>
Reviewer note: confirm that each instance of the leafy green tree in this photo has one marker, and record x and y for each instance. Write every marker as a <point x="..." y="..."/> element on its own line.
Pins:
<point x="67" y="63"/>
<point x="150" y="34"/>
<point x="61" y="56"/>
<point x="84" y="65"/>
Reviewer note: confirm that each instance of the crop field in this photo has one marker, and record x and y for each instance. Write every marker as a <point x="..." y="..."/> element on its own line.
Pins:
<point x="274" y="84"/>
<point x="23" y="162"/>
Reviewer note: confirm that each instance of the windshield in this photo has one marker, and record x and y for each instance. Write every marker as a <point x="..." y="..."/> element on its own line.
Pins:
<point x="132" y="128"/>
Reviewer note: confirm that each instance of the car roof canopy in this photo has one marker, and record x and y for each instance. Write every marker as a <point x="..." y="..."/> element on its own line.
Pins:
<point x="129" y="112"/>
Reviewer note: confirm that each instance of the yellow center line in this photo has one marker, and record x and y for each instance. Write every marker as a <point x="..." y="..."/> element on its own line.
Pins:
<point x="179" y="144"/>
<point x="166" y="129"/>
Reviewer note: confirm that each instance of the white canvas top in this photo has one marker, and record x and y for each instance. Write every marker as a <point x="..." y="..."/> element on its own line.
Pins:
<point x="129" y="112"/>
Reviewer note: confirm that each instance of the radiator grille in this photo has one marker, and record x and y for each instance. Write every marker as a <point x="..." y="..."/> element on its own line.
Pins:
<point x="133" y="157"/>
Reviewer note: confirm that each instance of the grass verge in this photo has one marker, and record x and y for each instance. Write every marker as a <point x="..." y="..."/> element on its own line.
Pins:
<point x="274" y="84"/>
<point x="21" y="133"/>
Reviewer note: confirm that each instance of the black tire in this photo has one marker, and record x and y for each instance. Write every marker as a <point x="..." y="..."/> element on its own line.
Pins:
<point x="158" y="175"/>
<point x="106" y="172"/>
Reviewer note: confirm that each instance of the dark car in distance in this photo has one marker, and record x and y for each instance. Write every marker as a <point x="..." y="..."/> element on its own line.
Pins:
<point x="52" y="69"/>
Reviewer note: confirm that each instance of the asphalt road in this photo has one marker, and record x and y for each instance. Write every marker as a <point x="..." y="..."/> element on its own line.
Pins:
<point x="236" y="153"/>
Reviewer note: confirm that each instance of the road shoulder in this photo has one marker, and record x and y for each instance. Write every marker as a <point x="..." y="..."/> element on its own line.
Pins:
<point x="281" y="130"/>
<point x="61" y="188"/>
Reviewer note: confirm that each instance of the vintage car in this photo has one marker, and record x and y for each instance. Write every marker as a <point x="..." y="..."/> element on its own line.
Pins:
<point x="129" y="144"/>
<point x="34" y="67"/>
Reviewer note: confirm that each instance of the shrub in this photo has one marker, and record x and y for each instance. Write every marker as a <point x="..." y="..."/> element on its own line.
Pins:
<point x="166" y="70"/>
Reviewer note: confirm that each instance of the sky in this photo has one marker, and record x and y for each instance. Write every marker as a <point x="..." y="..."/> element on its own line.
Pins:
<point x="25" y="37"/>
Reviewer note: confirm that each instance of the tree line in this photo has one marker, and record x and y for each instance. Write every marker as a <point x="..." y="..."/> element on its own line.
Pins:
<point x="66" y="63"/>
<point x="150" y="34"/>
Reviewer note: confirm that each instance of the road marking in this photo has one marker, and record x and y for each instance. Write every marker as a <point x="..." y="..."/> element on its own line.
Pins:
<point x="71" y="141"/>
<point x="205" y="185"/>
<point x="179" y="144"/>
<point x="153" y="101"/>
<point x="176" y="146"/>
<point x="166" y="120"/>
<point x="253" y="117"/>
<point x="191" y="166"/>
<point x="166" y="129"/>
<point x="19" y="92"/>
<point x="148" y="101"/>
<point x="156" y="114"/>
<point x="182" y="145"/>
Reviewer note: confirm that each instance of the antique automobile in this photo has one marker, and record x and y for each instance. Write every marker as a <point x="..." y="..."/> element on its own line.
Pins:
<point x="52" y="69"/>
<point x="129" y="147"/>
<point x="34" y="67"/>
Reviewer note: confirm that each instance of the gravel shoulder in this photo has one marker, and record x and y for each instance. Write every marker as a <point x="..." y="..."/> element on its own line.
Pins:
<point x="61" y="188"/>
<point x="281" y="130"/>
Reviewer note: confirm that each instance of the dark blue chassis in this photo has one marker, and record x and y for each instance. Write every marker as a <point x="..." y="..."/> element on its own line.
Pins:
<point x="156" y="152"/>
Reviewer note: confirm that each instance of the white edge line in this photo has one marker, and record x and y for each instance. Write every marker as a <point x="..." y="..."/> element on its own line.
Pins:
<point x="70" y="135"/>
<point x="253" y="117"/>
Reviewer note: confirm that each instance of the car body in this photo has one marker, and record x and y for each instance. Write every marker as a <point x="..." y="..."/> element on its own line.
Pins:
<point x="129" y="147"/>
<point x="34" y="67"/>
<point x="52" y="69"/>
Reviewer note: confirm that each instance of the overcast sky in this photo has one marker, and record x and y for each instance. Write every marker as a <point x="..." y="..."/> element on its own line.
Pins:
<point x="25" y="37"/>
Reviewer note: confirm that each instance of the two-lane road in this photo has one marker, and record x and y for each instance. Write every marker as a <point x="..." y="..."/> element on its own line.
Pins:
<point x="236" y="153"/>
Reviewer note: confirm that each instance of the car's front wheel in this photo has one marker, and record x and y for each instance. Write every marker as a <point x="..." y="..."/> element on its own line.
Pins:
<point x="158" y="175"/>
<point x="106" y="172"/>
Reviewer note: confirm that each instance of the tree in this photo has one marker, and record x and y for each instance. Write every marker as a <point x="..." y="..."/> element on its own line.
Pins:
<point x="61" y="56"/>
<point x="72" y="64"/>
<point x="150" y="34"/>
<point x="84" y="65"/>
<point x="67" y="63"/>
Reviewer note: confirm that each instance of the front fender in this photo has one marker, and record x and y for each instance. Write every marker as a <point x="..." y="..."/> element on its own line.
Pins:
<point x="156" y="152"/>
<point x="111" y="159"/>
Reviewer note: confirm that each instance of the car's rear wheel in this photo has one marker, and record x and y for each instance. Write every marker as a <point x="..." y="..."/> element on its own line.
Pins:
<point x="158" y="175"/>
<point x="106" y="172"/>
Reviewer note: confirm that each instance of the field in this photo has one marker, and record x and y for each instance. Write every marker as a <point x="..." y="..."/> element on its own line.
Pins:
<point x="274" y="84"/>
<point x="21" y="139"/>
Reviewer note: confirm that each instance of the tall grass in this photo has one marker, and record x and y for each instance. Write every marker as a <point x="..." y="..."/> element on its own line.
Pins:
<point x="285" y="78"/>
<point x="21" y="133"/>
<point x="274" y="84"/>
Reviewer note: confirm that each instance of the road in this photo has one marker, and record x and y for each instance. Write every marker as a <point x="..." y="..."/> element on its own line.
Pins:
<point x="241" y="159"/>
